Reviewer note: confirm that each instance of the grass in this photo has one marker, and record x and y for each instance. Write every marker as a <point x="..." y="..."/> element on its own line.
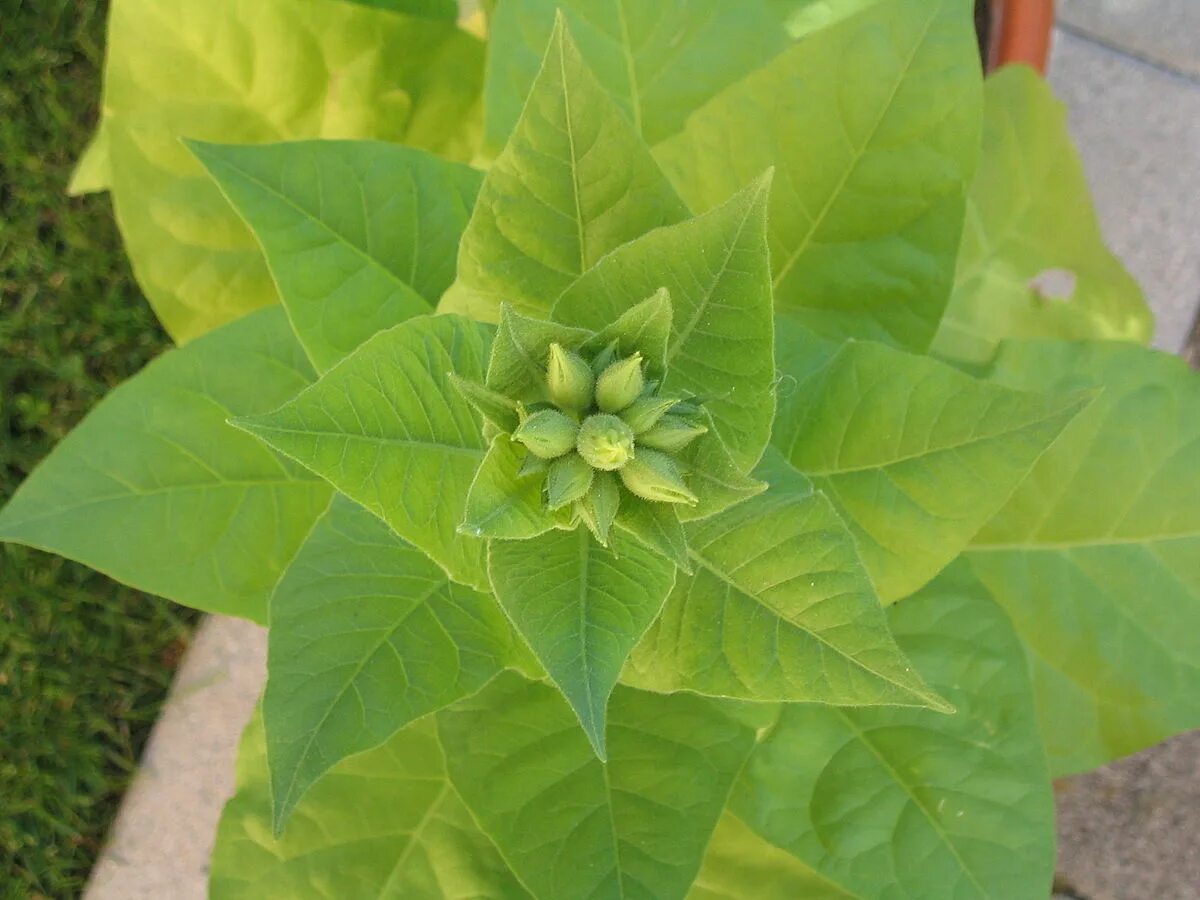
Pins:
<point x="84" y="663"/>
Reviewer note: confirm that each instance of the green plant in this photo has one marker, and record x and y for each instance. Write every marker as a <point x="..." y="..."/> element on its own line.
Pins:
<point x="827" y="632"/>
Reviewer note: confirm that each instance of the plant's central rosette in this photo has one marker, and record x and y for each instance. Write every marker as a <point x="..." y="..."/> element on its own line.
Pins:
<point x="604" y="416"/>
<point x="591" y="419"/>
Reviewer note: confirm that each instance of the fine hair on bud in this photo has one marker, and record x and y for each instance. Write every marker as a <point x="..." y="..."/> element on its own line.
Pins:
<point x="570" y="381"/>
<point x="605" y="442"/>
<point x="620" y="384"/>
<point x="654" y="476"/>
<point x="547" y="433"/>
<point x="670" y="434"/>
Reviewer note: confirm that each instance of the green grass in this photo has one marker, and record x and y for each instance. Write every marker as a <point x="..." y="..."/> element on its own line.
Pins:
<point x="84" y="663"/>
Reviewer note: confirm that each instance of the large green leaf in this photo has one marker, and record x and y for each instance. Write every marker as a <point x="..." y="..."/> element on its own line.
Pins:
<point x="446" y="10"/>
<point x="802" y="17"/>
<point x="873" y="127"/>
<point x="574" y="182"/>
<point x="359" y="236"/>
<point x="255" y="71"/>
<point x="910" y="803"/>
<point x="779" y="608"/>
<point x="717" y="272"/>
<point x="573" y="827"/>
<point x="385" y="825"/>
<point x="659" y="61"/>
<point x="1097" y="555"/>
<point x="156" y="490"/>
<point x="916" y="455"/>
<point x="1030" y="214"/>
<point x="738" y="858"/>
<point x="503" y="501"/>
<point x="366" y="635"/>
<point x="388" y="429"/>
<point x="581" y="607"/>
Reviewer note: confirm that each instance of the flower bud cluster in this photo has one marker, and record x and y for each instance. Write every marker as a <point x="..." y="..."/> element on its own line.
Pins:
<point x="606" y="426"/>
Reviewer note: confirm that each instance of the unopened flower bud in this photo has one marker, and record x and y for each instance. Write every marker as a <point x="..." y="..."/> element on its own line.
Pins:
<point x="568" y="480"/>
<point x="598" y="508"/>
<point x="620" y="384"/>
<point x="654" y="476"/>
<point x="644" y="412"/>
<point x="547" y="433"/>
<point x="605" y="442"/>
<point x="569" y="379"/>
<point x="670" y="434"/>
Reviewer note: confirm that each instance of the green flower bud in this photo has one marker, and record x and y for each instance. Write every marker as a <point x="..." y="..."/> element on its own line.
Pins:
<point x="620" y="384"/>
<point x="569" y="379"/>
<point x="670" y="434"/>
<point x="547" y="433"/>
<point x="644" y="412"/>
<point x="568" y="480"/>
<point x="599" y="506"/>
<point x="654" y="476"/>
<point x="605" y="442"/>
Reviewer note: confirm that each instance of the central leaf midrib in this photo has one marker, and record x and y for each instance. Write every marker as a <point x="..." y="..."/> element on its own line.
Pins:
<point x="861" y="736"/>
<point x="569" y="129"/>
<point x="1011" y="429"/>
<point x="388" y="634"/>
<point x="340" y="238"/>
<point x="686" y="331"/>
<point x="857" y="157"/>
<point x="414" y="443"/>
<point x="714" y="570"/>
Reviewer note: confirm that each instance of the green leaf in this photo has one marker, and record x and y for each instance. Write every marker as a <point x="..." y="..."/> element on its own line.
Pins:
<point x="1097" y="555"/>
<point x="1030" y="214"/>
<point x="366" y="635"/>
<point x="573" y="827"/>
<point x="446" y="10"/>
<point x="496" y="409"/>
<point x="581" y="608"/>
<point x="803" y="17"/>
<point x="656" y="527"/>
<point x="574" y="182"/>
<point x="93" y="170"/>
<point x="717" y="271"/>
<point x="908" y="802"/>
<point x="713" y="475"/>
<point x="180" y="69"/>
<point x="873" y="126"/>
<point x="779" y="608"/>
<point x="154" y="489"/>
<point x="503" y="502"/>
<point x="658" y="61"/>
<point x="643" y="328"/>
<point x="387" y="428"/>
<point x="385" y="824"/>
<point x="521" y="354"/>
<point x="359" y="236"/>
<point x="916" y="455"/>
<point x="738" y="858"/>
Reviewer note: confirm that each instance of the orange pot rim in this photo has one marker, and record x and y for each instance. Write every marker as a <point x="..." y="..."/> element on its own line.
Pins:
<point x="1021" y="31"/>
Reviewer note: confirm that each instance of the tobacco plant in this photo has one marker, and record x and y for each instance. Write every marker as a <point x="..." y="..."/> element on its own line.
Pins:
<point x="702" y="495"/>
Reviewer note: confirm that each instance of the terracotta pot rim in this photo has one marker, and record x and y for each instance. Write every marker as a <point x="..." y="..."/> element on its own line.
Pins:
<point x="1021" y="31"/>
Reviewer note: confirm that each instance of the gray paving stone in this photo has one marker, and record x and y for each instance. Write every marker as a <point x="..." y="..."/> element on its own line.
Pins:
<point x="1131" y="831"/>
<point x="160" y="844"/>
<point x="1139" y="133"/>
<point x="1164" y="32"/>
